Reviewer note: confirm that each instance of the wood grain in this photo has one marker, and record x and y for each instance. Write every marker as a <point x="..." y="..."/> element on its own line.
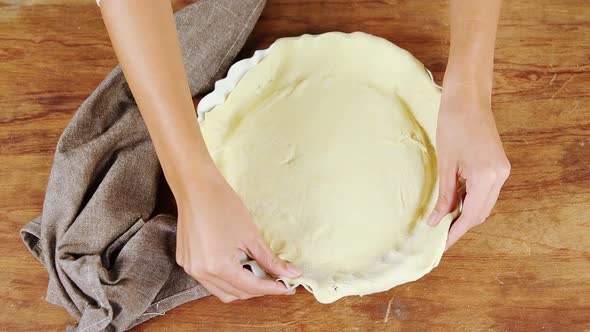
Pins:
<point x="527" y="268"/>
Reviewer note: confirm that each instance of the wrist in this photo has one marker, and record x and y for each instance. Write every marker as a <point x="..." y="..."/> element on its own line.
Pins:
<point x="464" y="81"/>
<point x="185" y="159"/>
<point x="470" y="66"/>
<point x="191" y="182"/>
<point x="469" y="73"/>
<point x="461" y="90"/>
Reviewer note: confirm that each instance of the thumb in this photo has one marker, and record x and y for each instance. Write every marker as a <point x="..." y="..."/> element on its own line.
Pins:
<point x="447" y="196"/>
<point x="260" y="251"/>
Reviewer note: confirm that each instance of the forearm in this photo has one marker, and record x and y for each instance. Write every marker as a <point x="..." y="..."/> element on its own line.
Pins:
<point x="473" y="36"/>
<point x="144" y="37"/>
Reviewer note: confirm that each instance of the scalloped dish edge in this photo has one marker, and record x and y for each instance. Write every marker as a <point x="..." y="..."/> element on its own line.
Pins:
<point x="226" y="85"/>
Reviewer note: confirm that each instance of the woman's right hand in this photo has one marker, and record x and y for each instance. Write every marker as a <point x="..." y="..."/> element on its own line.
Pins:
<point x="214" y="228"/>
<point x="213" y="225"/>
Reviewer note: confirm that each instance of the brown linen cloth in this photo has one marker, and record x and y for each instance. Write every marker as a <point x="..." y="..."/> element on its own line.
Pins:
<point x="110" y="255"/>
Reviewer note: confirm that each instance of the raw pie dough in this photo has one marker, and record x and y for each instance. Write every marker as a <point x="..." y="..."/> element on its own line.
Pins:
<point x="329" y="141"/>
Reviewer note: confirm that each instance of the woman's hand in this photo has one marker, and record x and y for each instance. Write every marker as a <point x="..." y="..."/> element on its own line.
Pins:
<point x="467" y="140"/>
<point x="468" y="147"/>
<point x="213" y="224"/>
<point x="214" y="228"/>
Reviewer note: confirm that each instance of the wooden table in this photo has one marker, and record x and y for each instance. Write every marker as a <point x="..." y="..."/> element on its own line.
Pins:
<point x="527" y="268"/>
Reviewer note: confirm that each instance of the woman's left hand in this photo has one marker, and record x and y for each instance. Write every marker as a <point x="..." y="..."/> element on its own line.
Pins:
<point x="468" y="147"/>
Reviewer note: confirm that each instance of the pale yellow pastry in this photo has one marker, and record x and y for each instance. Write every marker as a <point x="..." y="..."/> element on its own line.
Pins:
<point x="329" y="141"/>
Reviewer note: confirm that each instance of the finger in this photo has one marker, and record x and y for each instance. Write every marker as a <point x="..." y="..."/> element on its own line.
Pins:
<point x="473" y="207"/>
<point x="222" y="275"/>
<point x="260" y="251"/>
<point x="447" y="195"/>
<point x="218" y="292"/>
<point x="459" y="228"/>
<point x="492" y="199"/>
<point x="502" y="176"/>
<point x="241" y="293"/>
<point x="244" y="284"/>
<point x="260" y="286"/>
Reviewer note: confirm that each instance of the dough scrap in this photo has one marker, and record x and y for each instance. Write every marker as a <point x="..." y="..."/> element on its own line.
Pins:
<point x="330" y="142"/>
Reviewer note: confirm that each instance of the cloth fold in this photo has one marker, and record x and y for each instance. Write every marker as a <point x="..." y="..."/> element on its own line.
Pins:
<point x="109" y="252"/>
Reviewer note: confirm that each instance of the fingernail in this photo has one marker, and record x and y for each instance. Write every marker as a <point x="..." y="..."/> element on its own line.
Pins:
<point x="433" y="219"/>
<point x="291" y="292"/>
<point x="295" y="272"/>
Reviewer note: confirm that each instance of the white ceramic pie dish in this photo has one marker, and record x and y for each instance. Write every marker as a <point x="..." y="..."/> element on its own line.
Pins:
<point x="218" y="97"/>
